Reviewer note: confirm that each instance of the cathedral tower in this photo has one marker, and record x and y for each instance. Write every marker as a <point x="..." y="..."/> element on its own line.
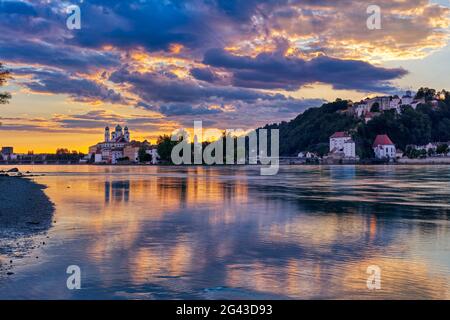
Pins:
<point x="127" y="134"/>
<point x="107" y="136"/>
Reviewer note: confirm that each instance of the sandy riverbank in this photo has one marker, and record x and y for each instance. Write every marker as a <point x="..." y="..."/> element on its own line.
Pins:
<point x="25" y="211"/>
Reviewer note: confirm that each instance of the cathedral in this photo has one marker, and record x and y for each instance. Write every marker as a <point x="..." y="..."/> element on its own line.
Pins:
<point x="117" y="136"/>
<point x="114" y="146"/>
<point x="117" y="147"/>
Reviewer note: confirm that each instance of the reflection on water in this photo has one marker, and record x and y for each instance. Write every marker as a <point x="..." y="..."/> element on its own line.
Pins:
<point x="205" y="233"/>
<point x="119" y="190"/>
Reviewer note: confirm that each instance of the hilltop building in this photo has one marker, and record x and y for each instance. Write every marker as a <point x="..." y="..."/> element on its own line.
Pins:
<point x="384" y="148"/>
<point x="370" y="107"/>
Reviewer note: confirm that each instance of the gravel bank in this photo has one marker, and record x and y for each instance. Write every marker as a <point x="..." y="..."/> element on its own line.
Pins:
<point x="25" y="211"/>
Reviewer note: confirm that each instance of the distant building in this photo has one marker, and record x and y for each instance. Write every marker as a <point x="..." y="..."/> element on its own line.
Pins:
<point x="349" y="149"/>
<point x="384" y="148"/>
<point x="369" y="116"/>
<point x="117" y="146"/>
<point x="153" y="152"/>
<point x="407" y="98"/>
<point x="7" y="150"/>
<point x="364" y="108"/>
<point x="7" y="154"/>
<point x="341" y="142"/>
<point x="111" y="149"/>
<point x="131" y="152"/>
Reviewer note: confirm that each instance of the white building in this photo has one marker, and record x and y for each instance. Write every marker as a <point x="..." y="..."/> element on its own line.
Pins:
<point x="116" y="155"/>
<point x="117" y="146"/>
<point x="384" y="148"/>
<point x="364" y="107"/>
<point x="337" y="141"/>
<point x="111" y="149"/>
<point x="350" y="149"/>
<point x="341" y="142"/>
<point x="407" y="99"/>
<point x="154" y="154"/>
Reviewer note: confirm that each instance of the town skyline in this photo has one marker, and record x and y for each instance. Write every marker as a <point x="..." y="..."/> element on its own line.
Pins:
<point x="152" y="66"/>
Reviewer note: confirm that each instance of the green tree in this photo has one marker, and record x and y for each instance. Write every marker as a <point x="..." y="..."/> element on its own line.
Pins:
<point x="375" y="107"/>
<point x="426" y="93"/>
<point x="143" y="155"/>
<point x="313" y="128"/>
<point x="165" y="146"/>
<point x="442" y="149"/>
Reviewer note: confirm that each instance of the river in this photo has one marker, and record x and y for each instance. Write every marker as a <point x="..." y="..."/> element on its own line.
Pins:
<point x="310" y="232"/>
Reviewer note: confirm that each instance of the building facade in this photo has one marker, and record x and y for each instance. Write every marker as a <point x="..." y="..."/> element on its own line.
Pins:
<point x="384" y="148"/>
<point x="341" y="142"/>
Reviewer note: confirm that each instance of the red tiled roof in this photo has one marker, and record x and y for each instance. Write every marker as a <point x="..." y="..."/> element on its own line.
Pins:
<point x="382" y="140"/>
<point x="340" y="134"/>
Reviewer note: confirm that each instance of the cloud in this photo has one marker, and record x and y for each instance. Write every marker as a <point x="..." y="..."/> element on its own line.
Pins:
<point x="204" y="74"/>
<point x="17" y="8"/>
<point x="57" y="82"/>
<point x="99" y="118"/>
<point x="276" y="71"/>
<point x="263" y="47"/>
<point x="63" y="57"/>
<point x="159" y="87"/>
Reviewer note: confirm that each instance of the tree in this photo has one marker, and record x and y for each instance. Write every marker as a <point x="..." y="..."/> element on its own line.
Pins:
<point x="375" y="107"/>
<point x="442" y="149"/>
<point x="61" y="151"/>
<point x="4" y="76"/>
<point x="165" y="146"/>
<point x="412" y="152"/>
<point x="143" y="155"/>
<point x="313" y="128"/>
<point x="426" y="93"/>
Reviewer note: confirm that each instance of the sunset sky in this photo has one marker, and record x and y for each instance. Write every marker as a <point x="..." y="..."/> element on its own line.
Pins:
<point x="159" y="65"/>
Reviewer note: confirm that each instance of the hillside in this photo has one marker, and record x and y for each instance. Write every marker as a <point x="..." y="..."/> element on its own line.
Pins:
<point x="311" y="130"/>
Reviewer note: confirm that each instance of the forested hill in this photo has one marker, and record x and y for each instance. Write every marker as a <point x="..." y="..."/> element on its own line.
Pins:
<point x="310" y="131"/>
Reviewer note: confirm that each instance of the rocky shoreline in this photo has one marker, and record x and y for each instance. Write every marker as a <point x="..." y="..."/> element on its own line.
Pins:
<point x="25" y="211"/>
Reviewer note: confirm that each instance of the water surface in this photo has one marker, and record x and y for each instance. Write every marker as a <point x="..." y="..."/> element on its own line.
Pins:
<point x="229" y="233"/>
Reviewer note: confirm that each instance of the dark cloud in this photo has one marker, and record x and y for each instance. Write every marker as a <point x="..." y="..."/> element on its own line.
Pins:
<point x="276" y="71"/>
<point x="180" y="109"/>
<point x="157" y="87"/>
<point x="68" y="58"/>
<point x="204" y="74"/>
<point x="152" y="24"/>
<point x="99" y="118"/>
<point x="229" y="87"/>
<point x="17" y="7"/>
<point x="79" y="89"/>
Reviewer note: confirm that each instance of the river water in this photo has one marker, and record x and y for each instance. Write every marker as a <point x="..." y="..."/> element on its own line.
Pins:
<point x="229" y="233"/>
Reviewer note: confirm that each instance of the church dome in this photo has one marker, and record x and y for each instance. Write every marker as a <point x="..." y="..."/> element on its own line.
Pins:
<point x="118" y="127"/>
<point x="106" y="128"/>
